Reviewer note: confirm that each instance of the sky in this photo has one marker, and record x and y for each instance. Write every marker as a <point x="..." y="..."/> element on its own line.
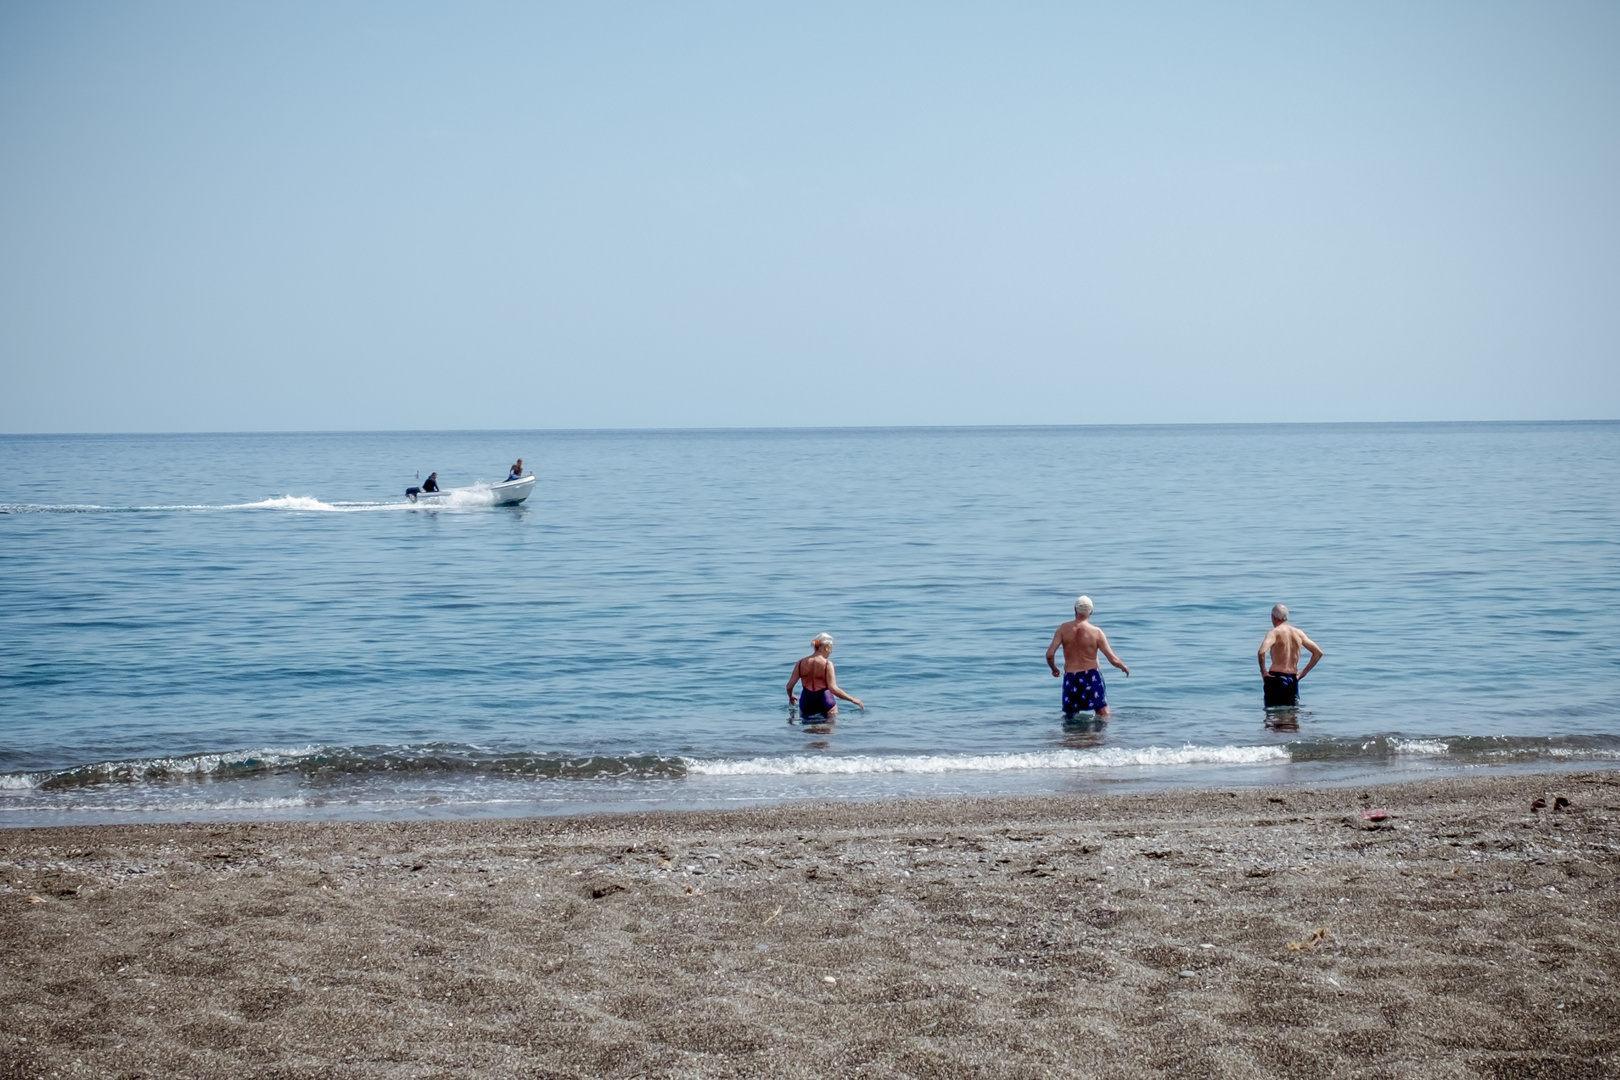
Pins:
<point x="402" y="216"/>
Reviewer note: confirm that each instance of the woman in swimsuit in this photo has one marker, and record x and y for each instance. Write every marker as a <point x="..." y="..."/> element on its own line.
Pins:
<point x="820" y="682"/>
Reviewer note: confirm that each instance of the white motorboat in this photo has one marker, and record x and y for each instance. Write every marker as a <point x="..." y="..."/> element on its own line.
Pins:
<point x="512" y="492"/>
<point x="506" y="493"/>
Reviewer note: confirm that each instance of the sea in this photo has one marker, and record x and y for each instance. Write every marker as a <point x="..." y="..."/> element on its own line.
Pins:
<point x="262" y="626"/>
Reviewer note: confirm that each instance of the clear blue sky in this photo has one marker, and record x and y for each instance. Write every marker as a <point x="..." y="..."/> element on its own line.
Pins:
<point x="283" y="216"/>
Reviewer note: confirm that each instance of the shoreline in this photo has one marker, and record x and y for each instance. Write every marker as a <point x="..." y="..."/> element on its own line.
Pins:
<point x="383" y="798"/>
<point x="1237" y="932"/>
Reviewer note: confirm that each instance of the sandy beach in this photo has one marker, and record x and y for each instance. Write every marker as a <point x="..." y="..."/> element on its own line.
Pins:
<point x="1222" y="934"/>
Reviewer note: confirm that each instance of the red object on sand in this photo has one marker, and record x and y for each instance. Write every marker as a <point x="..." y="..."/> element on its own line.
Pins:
<point x="1379" y="814"/>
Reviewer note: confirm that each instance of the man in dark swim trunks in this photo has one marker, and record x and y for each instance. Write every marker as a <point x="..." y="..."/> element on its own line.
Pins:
<point x="1083" y="689"/>
<point x="820" y="682"/>
<point x="1283" y="643"/>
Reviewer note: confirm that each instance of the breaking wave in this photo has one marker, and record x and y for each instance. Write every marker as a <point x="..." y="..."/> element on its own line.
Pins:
<point x="406" y="779"/>
<point x="320" y="762"/>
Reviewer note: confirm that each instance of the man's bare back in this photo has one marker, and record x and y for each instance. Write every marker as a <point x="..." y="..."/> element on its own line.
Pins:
<point x="1080" y="641"/>
<point x="1282" y="644"/>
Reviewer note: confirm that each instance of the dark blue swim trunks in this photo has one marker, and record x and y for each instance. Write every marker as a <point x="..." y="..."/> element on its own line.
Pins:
<point x="1083" y="691"/>
<point x="1282" y="691"/>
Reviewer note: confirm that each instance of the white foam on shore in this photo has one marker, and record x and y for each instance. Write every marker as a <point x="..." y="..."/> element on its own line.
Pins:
<point x="1419" y="747"/>
<point x="1107" y="758"/>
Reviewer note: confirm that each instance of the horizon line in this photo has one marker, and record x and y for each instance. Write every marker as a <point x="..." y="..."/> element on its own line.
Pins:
<point x="808" y="428"/>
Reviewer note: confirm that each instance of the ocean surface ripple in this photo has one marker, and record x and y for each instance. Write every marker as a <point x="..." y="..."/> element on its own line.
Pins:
<point x="261" y="625"/>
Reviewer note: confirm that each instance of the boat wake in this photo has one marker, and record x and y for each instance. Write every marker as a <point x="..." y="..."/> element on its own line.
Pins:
<point x="474" y="496"/>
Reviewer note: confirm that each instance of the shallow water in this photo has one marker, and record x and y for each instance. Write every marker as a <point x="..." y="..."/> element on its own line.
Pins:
<point x="258" y="625"/>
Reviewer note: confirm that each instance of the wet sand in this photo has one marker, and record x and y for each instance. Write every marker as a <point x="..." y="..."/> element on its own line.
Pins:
<point x="1219" y="934"/>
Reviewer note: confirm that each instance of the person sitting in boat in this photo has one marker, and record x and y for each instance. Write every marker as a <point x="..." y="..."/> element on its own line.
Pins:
<point x="516" y="472"/>
<point x="430" y="484"/>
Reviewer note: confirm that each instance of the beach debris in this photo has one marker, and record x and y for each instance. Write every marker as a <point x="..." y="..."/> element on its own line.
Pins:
<point x="1377" y="813"/>
<point x="1539" y="804"/>
<point x="1312" y="940"/>
<point x="773" y="916"/>
<point x="829" y="980"/>
<point x="1102" y="916"/>
<point x="1188" y="973"/>
<point x="606" y="889"/>
<point x="1560" y="803"/>
<point x="33" y="899"/>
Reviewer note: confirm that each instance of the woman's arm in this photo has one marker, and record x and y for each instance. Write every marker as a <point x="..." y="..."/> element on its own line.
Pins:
<point x="792" y="679"/>
<point x="832" y="684"/>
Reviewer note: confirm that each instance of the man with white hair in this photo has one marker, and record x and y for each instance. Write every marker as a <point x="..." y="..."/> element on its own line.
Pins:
<point x="1283" y="643"/>
<point x="1083" y="688"/>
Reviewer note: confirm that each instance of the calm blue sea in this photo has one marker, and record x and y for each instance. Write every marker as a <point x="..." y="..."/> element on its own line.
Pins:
<point x="209" y="626"/>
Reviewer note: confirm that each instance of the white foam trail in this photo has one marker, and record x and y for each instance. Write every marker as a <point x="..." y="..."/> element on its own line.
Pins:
<point x="475" y="495"/>
<point x="1107" y="758"/>
<point x="309" y="503"/>
<point x="479" y="494"/>
<point x="19" y="781"/>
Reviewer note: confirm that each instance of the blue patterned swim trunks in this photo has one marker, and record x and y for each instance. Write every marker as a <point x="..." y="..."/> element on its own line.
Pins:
<point x="1083" y="691"/>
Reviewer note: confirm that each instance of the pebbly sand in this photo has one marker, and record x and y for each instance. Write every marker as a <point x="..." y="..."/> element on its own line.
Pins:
<point x="1212" y="934"/>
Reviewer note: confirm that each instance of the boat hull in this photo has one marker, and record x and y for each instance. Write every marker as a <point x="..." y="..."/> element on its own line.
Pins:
<point x="507" y="493"/>
<point x="512" y="492"/>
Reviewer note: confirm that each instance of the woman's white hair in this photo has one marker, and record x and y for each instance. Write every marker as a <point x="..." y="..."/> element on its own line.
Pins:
<point x="1083" y="606"/>
<point x="824" y="639"/>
